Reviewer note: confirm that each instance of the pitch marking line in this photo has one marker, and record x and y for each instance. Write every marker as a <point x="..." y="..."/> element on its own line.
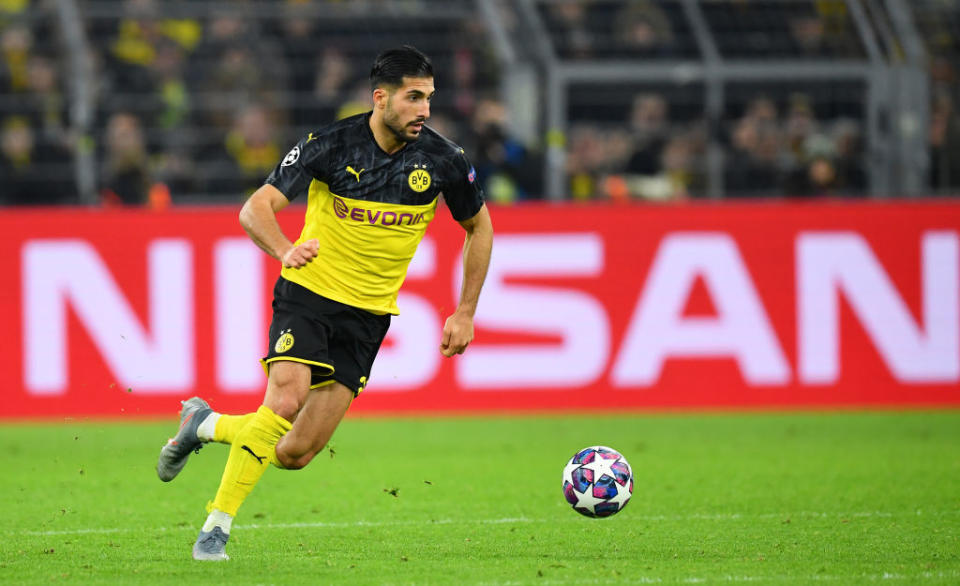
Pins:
<point x="319" y="524"/>
<point x="884" y="577"/>
<point x="505" y="520"/>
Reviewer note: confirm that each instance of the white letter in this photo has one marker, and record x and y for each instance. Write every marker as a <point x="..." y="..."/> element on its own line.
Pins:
<point x="410" y="357"/>
<point x="578" y="319"/>
<point x="61" y="272"/>
<point x="833" y="262"/>
<point x="740" y="330"/>
<point x="241" y="339"/>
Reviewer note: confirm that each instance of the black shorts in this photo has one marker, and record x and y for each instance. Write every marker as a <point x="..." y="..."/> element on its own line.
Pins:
<point x="339" y="342"/>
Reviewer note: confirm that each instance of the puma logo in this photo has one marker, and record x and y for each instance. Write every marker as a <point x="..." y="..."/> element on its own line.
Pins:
<point x="260" y="459"/>
<point x="356" y="173"/>
<point x="310" y="137"/>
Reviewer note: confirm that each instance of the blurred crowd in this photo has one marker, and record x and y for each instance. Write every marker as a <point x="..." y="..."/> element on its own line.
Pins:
<point x="771" y="139"/>
<point x="35" y="142"/>
<point x="198" y="106"/>
<point x="769" y="148"/>
<point x="941" y="31"/>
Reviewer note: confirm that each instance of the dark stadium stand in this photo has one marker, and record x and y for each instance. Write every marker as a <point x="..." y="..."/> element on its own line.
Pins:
<point x="195" y="101"/>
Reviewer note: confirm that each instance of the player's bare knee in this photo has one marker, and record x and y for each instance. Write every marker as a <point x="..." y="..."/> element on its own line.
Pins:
<point x="282" y="397"/>
<point x="286" y="406"/>
<point x="294" y="461"/>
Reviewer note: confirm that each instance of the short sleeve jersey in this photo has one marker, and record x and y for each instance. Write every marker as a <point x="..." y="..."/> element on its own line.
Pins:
<point x="368" y="209"/>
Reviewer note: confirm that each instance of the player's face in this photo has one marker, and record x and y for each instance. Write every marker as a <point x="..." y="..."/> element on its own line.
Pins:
<point x="409" y="107"/>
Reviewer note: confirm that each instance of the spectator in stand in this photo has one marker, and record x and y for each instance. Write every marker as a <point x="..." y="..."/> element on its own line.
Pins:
<point x="169" y="88"/>
<point x="49" y="106"/>
<point x="584" y="160"/>
<point x="848" y="160"/>
<point x="649" y="126"/>
<point x="506" y="170"/>
<point x="16" y="46"/>
<point x="945" y="143"/>
<point x="763" y="110"/>
<point x="595" y="160"/>
<point x="31" y="175"/>
<point x="357" y="102"/>
<point x="446" y="126"/>
<point x="126" y="178"/>
<point x="298" y="39"/>
<point x="798" y="129"/>
<point x="247" y="155"/>
<point x="236" y="64"/>
<point x="752" y="163"/>
<point x="137" y="42"/>
<point x="568" y="22"/>
<point x="657" y="166"/>
<point x="676" y="176"/>
<point x="464" y="83"/>
<point x="679" y="165"/>
<point x="816" y="173"/>
<point x="475" y="66"/>
<point x="11" y="10"/>
<point x="800" y="123"/>
<point x="145" y="64"/>
<point x="17" y="164"/>
<point x="821" y="177"/>
<point x="172" y="123"/>
<point x="827" y="32"/>
<point x="642" y="29"/>
<point x="132" y="49"/>
<point x="332" y="78"/>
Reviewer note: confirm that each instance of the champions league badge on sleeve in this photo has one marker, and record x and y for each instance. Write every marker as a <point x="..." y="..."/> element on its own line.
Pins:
<point x="291" y="157"/>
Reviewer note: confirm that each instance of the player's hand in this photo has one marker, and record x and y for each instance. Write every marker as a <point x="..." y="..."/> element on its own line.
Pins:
<point x="301" y="254"/>
<point x="457" y="334"/>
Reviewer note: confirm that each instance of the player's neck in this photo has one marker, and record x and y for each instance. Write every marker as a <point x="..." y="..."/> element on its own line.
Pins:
<point x="385" y="138"/>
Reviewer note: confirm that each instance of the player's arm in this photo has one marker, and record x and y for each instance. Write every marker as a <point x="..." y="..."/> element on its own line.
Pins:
<point x="258" y="216"/>
<point x="458" y="329"/>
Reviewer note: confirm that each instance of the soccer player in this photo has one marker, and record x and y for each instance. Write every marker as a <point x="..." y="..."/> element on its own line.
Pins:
<point x="372" y="183"/>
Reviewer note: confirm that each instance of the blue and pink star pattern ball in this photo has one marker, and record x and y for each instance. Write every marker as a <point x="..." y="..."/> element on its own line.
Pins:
<point x="597" y="481"/>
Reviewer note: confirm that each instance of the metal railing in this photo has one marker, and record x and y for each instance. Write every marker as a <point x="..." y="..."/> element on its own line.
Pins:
<point x="537" y="79"/>
<point x="896" y="97"/>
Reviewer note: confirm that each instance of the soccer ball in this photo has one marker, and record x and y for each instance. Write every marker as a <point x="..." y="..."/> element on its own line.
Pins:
<point x="597" y="481"/>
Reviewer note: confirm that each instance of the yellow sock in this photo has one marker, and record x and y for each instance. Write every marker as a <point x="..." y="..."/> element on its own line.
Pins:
<point x="252" y="451"/>
<point x="228" y="426"/>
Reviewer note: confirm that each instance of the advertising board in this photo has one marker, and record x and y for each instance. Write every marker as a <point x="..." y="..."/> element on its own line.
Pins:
<point x="586" y="308"/>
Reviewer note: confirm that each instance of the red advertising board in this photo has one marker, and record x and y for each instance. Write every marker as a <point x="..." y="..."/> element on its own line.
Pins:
<point x="733" y="305"/>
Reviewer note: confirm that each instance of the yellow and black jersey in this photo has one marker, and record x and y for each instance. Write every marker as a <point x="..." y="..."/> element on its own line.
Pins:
<point x="368" y="209"/>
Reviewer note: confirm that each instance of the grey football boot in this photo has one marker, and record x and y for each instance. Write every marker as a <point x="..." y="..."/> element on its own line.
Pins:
<point x="173" y="456"/>
<point x="210" y="546"/>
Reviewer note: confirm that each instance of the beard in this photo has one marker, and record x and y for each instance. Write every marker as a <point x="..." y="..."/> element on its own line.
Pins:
<point x="402" y="131"/>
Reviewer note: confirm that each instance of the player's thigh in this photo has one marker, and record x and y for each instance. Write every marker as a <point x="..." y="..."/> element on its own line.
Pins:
<point x="288" y="388"/>
<point x="318" y="419"/>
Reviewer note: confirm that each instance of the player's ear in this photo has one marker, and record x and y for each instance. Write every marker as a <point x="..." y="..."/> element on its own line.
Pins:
<point x="380" y="97"/>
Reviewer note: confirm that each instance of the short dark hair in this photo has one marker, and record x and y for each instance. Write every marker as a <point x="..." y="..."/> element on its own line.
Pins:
<point x="391" y="66"/>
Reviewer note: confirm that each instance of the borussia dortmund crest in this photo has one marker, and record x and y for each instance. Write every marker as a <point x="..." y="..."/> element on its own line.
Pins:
<point x="419" y="180"/>
<point x="284" y="342"/>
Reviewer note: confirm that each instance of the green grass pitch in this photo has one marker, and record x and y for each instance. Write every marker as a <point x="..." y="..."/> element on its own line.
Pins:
<point x="838" y="498"/>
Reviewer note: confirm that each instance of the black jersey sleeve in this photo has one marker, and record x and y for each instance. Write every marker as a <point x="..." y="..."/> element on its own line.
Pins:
<point x="461" y="191"/>
<point x="304" y="163"/>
